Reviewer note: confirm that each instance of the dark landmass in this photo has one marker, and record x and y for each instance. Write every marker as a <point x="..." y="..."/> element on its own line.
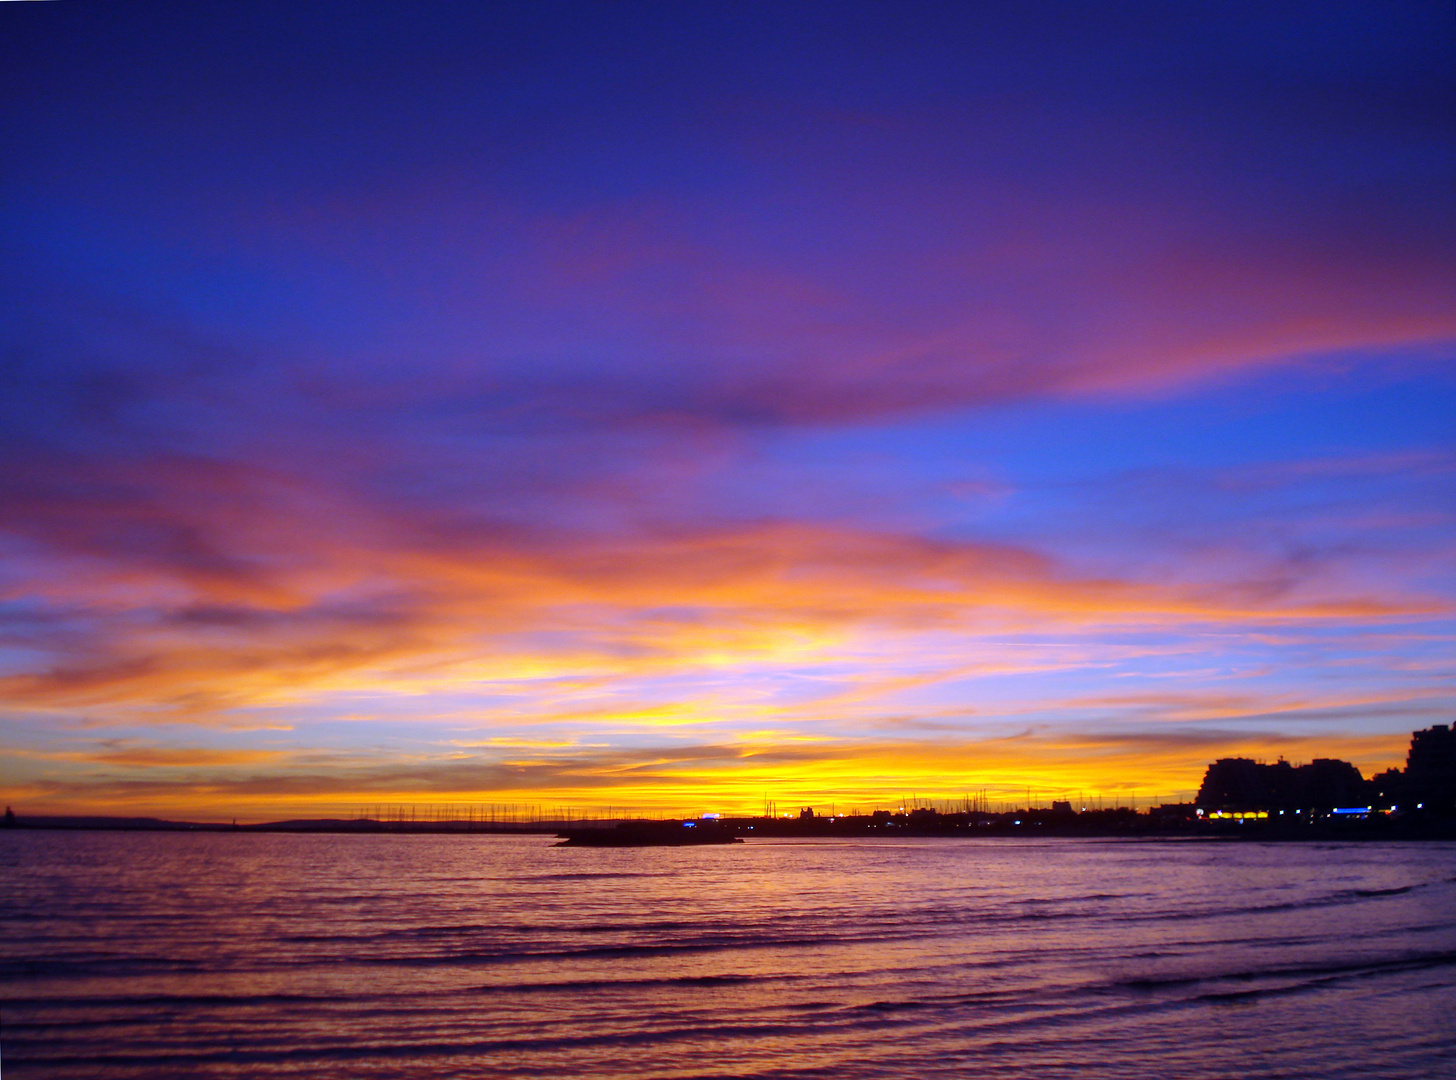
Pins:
<point x="297" y="825"/>
<point x="672" y="833"/>
<point x="1161" y="823"/>
<point x="127" y="824"/>
<point x="1181" y="822"/>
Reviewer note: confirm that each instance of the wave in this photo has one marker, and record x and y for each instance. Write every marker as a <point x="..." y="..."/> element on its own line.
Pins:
<point x="1339" y="898"/>
<point x="1315" y="969"/>
<point x="166" y="1063"/>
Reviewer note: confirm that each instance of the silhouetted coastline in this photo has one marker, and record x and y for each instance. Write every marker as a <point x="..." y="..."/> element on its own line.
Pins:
<point x="1161" y="823"/>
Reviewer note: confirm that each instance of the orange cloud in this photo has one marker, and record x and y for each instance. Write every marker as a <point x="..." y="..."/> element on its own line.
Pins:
<point x="414" y="619"/>
<point x="1205" y="705"/>
<point x="173" y="757"/>
<point x="134" y="755"/>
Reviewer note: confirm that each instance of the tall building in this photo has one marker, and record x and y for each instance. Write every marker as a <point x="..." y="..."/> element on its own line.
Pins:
<point x="1430" y="768"/>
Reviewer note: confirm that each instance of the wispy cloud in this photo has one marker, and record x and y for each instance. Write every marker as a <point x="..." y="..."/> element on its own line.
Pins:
<point x="420" y="617"/>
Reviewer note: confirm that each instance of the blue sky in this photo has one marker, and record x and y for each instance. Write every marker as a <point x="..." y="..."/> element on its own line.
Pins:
<point x="674" y="405"/>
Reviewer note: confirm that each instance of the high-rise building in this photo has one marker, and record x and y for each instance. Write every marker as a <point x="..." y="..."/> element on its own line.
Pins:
<point x="1430" y="768"/>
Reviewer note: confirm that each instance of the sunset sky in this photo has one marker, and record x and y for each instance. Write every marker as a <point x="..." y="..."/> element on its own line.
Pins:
<point x="674" y="406"/>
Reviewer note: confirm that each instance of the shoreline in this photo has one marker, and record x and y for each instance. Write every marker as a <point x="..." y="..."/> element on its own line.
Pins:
<point x="1379" y="829"/>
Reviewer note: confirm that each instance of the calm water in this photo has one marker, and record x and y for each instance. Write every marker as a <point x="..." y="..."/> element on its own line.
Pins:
<point x="240" y="955"/>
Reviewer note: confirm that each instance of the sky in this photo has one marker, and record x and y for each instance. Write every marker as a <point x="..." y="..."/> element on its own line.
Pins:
<point x="680" y="407"/>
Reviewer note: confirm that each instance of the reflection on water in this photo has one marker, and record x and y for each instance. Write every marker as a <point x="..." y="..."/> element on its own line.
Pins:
<point x="245" y="955"/>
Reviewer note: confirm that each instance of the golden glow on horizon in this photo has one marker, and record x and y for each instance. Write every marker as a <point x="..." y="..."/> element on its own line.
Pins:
<point x="730" y="778"/>
<point x="802" y="665"/>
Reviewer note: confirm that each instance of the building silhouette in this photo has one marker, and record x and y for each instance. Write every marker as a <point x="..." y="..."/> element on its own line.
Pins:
<point x="1241" y="786"/>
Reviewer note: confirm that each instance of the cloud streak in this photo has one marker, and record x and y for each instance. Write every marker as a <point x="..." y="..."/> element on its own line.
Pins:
<point x="413" y="618"/>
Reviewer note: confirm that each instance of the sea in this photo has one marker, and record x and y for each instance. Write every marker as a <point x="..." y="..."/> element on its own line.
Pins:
<point x="156" y="955"/>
